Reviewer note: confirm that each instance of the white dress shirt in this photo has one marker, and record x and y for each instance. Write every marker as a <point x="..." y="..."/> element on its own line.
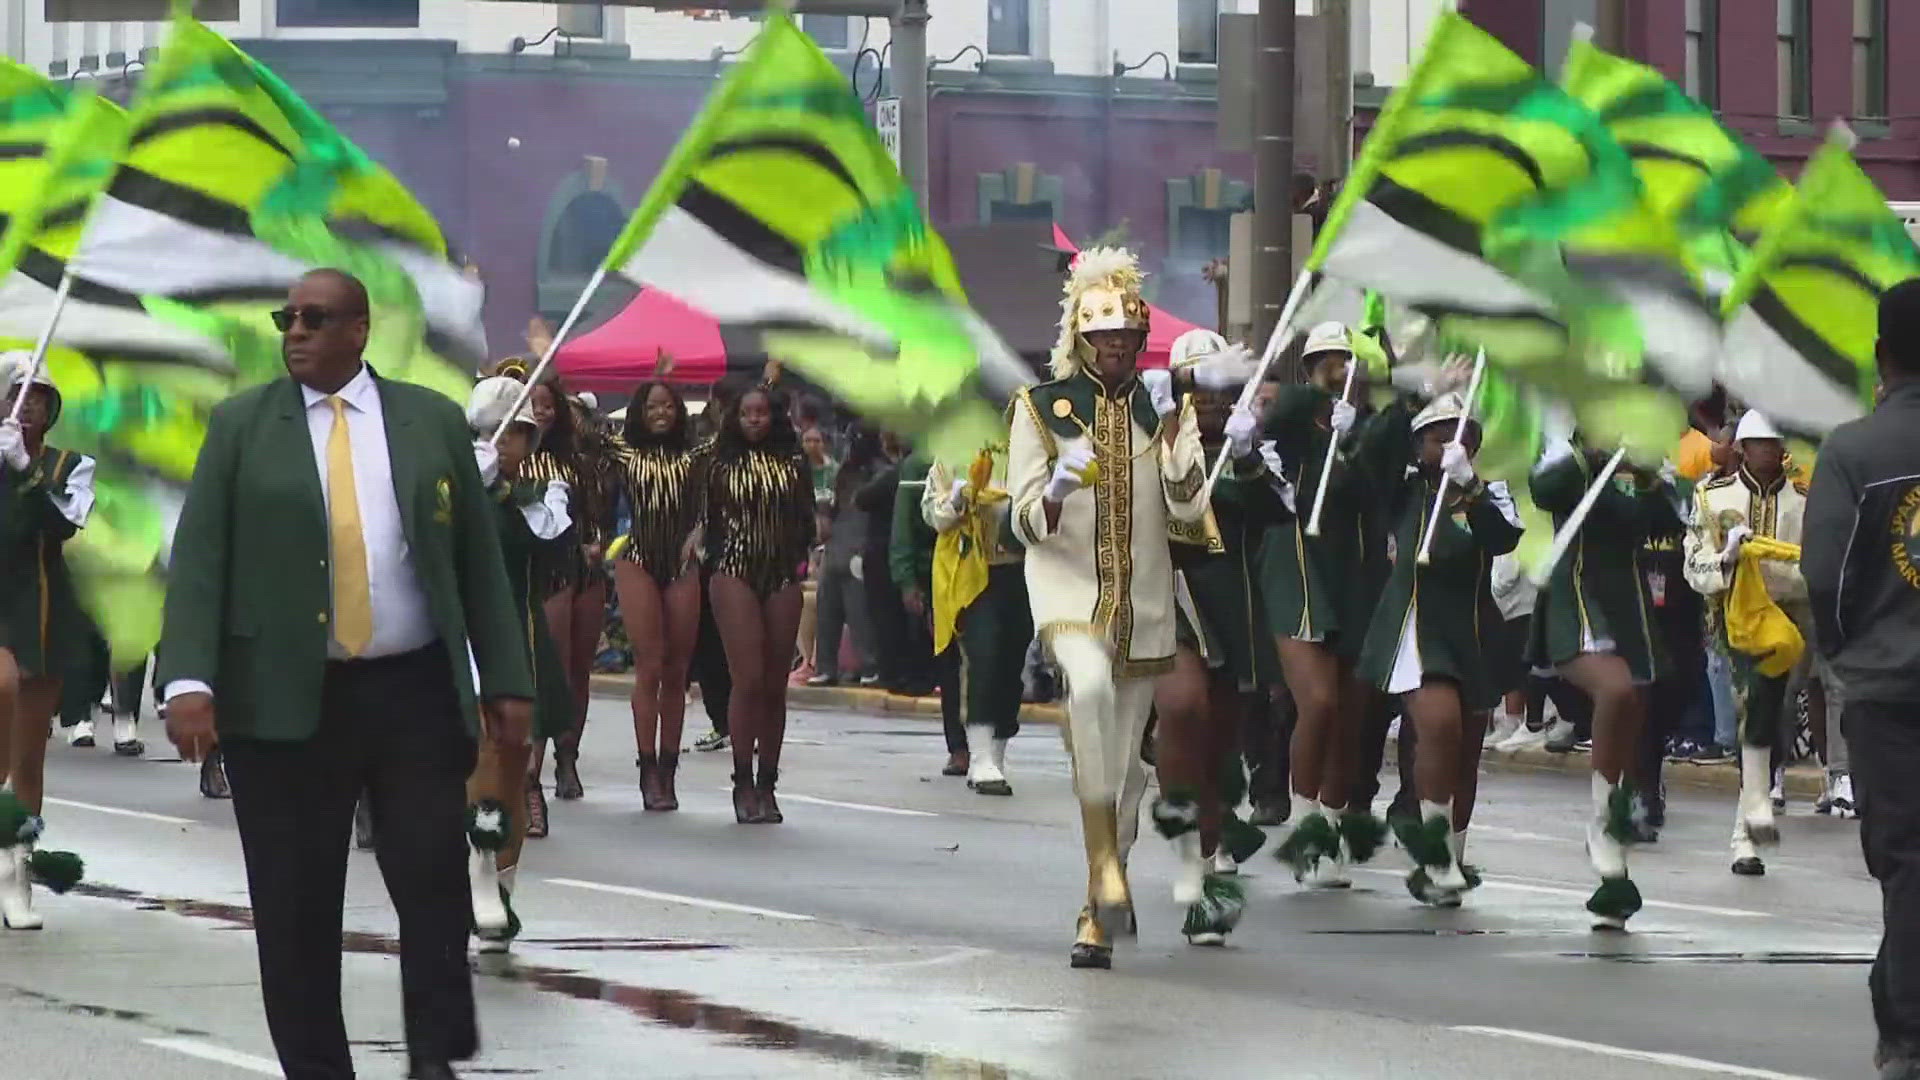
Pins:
<point x="401" y="621"/>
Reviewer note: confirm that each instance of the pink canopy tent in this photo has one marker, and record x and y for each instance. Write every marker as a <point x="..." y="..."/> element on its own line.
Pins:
<point x="621" y="351"/>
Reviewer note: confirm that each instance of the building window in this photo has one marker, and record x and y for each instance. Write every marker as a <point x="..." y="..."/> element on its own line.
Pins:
<point x="583" y="20"/>
<point x="586" y="229"/>
<point x="830" y="32"/>
<point x="1870" y="58"/>
<point x="1199" y="31"/>
<point x="394" y="13"/>
<point x="1009" y="28"/>
<point x="1703" y="52"/>
<point x="1793" y="60"/>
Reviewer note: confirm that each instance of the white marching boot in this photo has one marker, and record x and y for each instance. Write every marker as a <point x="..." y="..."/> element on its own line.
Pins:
<point x="483" y="880"/>
<point x="1746" y="858"/>
<point x="16" y="889"/>
<point x="126" y="737"/>
<point x="987" y="768"/>
<point x="1617" y="899"/>
<point x="502" y="940"/>
<point x="1223" y="861"/>
<point x="1756" y="804"/>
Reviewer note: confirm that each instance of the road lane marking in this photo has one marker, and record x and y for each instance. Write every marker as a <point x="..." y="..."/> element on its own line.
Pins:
<point x="118" y="812"/>
<point x="1678" y="1061"/>
<point x="207" y="1051"/>
<point x="675" y="898"/>
<point x="1576" y="893"/>
<point x="815" y="800"/>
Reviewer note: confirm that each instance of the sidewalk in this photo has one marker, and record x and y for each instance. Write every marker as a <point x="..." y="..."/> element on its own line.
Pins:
<point x="1802" y="781"/>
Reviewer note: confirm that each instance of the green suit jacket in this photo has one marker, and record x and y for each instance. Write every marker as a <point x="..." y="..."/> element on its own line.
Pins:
<point x="248" y="585"/>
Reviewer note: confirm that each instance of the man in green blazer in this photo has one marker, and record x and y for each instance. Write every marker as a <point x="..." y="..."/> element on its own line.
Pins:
<point x="335" y="593"/>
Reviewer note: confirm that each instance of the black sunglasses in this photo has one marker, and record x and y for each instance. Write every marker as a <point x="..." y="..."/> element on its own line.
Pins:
<point x="311" y="316"/>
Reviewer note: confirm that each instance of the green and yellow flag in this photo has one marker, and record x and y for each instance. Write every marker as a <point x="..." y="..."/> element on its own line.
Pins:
<point x="1802" y="318"/>
<point x="780" y="208"/>
<point x="1718" y="191"/>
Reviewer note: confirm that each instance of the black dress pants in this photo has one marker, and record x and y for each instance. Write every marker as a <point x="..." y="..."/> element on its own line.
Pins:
<point x="391" y="727"/>
<point x="1883" y="740"/>
<point x="709" y="661"/>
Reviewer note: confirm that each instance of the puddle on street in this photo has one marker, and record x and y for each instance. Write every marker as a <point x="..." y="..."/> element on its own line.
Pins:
<point x="670" y="1008"/>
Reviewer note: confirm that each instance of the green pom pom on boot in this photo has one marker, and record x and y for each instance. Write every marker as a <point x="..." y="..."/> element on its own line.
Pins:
<point x="1313" y="838"/>
<point x="1176" y="814"/>
<point x="15" y="822"/>
<point x="1363" y="833"/>
<point x="1240" y="839"/>
<point x="489" y="824"/>
<point x="1626" y="814"/>
<point x="1210" y="919"/>
<point x="1426" y="842"/>
<point x="58" y="871"/>
<point x="1613" y="903"/>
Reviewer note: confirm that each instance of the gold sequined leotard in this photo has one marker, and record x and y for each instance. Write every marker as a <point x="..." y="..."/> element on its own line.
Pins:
<point x="665" y="491"/>
<point x="759" y="516"/>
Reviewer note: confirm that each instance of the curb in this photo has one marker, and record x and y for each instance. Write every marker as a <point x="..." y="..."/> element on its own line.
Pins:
<point x="1801" y="781"/>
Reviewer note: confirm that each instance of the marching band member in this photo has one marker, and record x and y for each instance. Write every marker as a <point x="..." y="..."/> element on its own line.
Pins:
<point x="1098" y="464"/>
<point x="531" y="514"/>
<point x="46" y="495"/>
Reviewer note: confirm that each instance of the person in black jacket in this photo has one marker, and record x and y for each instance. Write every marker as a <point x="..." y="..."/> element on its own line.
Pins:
<point x="903" y="648"/>
<point x="1861" y="561"/>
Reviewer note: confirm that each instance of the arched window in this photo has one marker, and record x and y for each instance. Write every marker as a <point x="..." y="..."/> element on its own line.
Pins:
<point x="586" y="229"/>
<point x="584" y="216"/>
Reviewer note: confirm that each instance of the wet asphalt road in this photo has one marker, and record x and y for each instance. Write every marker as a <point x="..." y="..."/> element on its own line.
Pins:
<point x="898" y="925"/>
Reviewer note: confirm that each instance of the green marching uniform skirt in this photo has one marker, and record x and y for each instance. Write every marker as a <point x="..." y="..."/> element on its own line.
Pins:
<point x="1313" y="588"/>
<point x="527" y="556"/>
<point x="1220" y="612"/>
<point x="41" y="622"/>
<point x="1440" y="620"/>
<point x="1596" y="601"/>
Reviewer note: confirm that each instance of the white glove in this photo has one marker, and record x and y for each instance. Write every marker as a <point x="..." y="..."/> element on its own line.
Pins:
<point x="1159" y="384"/>
<point x="1068" y="473"/>
<point x="1242" y="426"/>
<point x="957" y="496"/>
<point x="487" y="456"/>
<point x="857" y="566"/>
<point x="1343" y="417"/>
<point x="1736" y="536"/>
<point x="1457" y="465"/>
<point x="13" y="446"/>
<point x="1226" y="371"/>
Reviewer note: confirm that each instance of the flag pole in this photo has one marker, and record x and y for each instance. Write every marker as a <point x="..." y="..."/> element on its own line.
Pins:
<point x="1563" y="539"/>
<point x="1333" y="447"/>
<point x="1459" y="434"/>
<point x="46" y="338"/>
<point x="553" y="349"/>
<point x="1277" y="343"/>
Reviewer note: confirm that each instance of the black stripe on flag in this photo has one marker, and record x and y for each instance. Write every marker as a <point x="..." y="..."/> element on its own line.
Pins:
<point x="1423" y="215"/>
<point x="1451" y="140"/>
<point x="48" y="270"/>
<point x="21" y="151"/>
<point x="741" y="229"/>
<point x="145" y="190"/>
<point x="806" y="148"/>
<point x="210" y="117"/>
<point x="1830" y="362"/>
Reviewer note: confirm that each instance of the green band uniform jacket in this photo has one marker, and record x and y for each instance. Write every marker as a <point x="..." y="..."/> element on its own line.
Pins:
<point x="1596" y="599"/>
<point x="1222" y="615"/>
<point x="1314" y="587"/>
<point x="40" y="510"/>
<point x="249" y="588"/>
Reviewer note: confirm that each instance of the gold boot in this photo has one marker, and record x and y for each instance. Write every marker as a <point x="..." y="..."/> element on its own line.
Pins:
<point x="1107" y="892"/>
<point x="1091" y="946"/>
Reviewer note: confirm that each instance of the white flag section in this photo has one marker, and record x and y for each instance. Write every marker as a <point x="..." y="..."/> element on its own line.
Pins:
<point x="206" y="263"/>
<point x="112" y="326"/>
<point x="1760" y="368"/>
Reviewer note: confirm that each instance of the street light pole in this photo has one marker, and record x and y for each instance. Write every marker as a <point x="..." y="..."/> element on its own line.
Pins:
<point x="1273" y="165"/>
<point x="910" y="84"/>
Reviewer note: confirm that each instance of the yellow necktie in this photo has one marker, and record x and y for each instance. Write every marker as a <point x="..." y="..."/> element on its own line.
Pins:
<point x="352" y="597"/>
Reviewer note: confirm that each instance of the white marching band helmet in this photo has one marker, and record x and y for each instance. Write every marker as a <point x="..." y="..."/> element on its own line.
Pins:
<point x="1754" y="425"/>
<point x="487" y="405"/>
